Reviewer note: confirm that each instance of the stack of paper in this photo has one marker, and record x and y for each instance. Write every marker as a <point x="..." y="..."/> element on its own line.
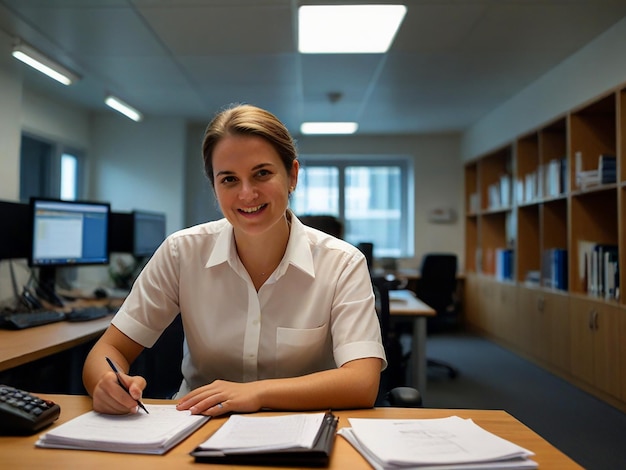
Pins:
<point x="139" y="433"/>
<point x="438" y="444"/>
<point x="299" y="440"/>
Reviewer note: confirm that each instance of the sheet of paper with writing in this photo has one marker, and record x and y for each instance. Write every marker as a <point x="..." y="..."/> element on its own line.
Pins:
<point x="450" y="442"/>
<point x="141" y="433"/>
<point x="250" y="433"/>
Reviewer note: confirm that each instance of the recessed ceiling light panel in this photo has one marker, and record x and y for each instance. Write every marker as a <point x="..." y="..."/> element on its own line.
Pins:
<point x="348" y="29"/>
<point x="329" y="127"/>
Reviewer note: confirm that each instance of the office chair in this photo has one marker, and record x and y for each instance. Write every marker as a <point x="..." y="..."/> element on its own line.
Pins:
<point x="437" y="288"/>
<point x="326" y="223"/>
<point x="160" y="365"/>
<point x="392" y="390"/>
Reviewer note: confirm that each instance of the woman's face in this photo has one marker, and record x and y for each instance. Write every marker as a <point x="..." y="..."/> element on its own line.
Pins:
<point x="251" y="183"/>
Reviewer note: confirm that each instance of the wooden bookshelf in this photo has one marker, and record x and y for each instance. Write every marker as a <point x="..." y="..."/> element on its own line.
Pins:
<point x="557" y="204"/>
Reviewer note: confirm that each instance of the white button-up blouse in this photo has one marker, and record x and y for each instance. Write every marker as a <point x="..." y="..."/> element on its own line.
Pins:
<point x="315" y="312"/>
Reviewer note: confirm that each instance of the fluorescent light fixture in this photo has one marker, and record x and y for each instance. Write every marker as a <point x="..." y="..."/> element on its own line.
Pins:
<point x="348" y="29"/>
<point x="328" y="127"/>
<point x="45" y="65"/>
<point x="121" y="107"/>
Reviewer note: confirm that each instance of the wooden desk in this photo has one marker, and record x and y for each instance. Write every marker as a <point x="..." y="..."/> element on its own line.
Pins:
<point x="19" y="347"/>
<point x="404" y="305"/>
<point x="19" y="452"/>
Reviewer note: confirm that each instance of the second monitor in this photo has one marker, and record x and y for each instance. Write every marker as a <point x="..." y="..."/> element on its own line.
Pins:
<point x="138" y="232"/>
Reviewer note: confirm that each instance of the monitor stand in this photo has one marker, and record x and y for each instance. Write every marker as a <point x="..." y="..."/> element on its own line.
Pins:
<point x="46" y="288"/>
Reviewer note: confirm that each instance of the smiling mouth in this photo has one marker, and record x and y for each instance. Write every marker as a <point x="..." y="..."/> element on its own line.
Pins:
<point x="252" y="210"/>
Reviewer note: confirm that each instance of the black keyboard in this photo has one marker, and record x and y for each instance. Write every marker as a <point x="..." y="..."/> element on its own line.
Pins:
<point x="22" y="413"/>
<point x="21" y="320"/>
<point x="87" y="313"/>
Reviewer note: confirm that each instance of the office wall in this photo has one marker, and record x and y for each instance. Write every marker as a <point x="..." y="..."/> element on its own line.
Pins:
<point x="200" y="203"/>
<point x="139" y="165"/>
<point x="10" y="116"/>
<point x="438" y="181"/>
<point x="597" y="67"/>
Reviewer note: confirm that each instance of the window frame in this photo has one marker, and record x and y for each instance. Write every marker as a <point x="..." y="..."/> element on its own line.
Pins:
<point x="407" y="201"/>
<point x="49" y="165"/>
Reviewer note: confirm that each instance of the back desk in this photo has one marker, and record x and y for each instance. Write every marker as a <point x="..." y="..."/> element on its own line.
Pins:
<point x="19" y="452"/>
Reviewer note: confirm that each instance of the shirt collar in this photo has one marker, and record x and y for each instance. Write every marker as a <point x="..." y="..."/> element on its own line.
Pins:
<point x="298" y="252"/>
<point x="224" y="249"/>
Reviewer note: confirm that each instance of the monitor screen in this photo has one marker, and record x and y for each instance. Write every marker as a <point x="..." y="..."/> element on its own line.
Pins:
<point x="148" y="233"/>
<point x="14" y="217"/>
<point x="69" y="233"/>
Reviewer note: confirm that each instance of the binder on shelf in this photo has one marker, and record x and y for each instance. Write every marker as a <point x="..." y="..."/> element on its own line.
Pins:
<point x="600" y="265"/>
<point x="504" y="264"/>
<point x="606" y="172"/>
<point x="554" y="268"/>
<point x="302" y="440"/>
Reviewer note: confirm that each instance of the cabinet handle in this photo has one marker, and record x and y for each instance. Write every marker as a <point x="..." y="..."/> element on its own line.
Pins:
<point x="595" y="320"/>
<point x="540" y="304"/>
<point x="590" y="319"/>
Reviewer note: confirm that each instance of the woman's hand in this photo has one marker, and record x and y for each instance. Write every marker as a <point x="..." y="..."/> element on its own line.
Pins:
<point x="222" y="397"/>
<point x="111" y="398"/>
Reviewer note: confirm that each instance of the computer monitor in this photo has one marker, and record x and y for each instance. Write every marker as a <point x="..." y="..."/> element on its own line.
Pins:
<point x="14" y="219"/>
<point x="66" y="233"/>
<point x="148" y="233"/>
<point x="139" y="232"/>
<point x="121" y="238"/>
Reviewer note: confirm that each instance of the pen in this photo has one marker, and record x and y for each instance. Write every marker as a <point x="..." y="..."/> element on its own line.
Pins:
<point x="119" y="381"/>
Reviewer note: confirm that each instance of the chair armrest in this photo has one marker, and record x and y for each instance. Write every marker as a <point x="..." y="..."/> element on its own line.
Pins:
<point x="405" y="397"/>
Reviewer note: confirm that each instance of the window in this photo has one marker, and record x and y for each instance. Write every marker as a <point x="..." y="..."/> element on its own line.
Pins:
<point x="69" y="177"/>
<point x="49" y="169"/>
<point x="373" y="196"/>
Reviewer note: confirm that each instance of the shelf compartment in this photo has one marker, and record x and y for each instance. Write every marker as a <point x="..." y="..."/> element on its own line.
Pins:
<point x="593" y="219"/>
<point x="593" y="132"/>
<point x="494" y="173"/>
<point x="493" y="234"/>
<point x="528" y="242"/>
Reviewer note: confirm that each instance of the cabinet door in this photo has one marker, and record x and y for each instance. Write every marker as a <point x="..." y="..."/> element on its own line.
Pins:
<point x="544" y="326"/>
<point x="595" y="344"/>
<point x="555" y="323"/>
<point x="529" y="308"/>
<point x="606" y="350"/>
<point x="622" y="334"/>
<point x="504" y="314"/>
<point x="471" y="303"/>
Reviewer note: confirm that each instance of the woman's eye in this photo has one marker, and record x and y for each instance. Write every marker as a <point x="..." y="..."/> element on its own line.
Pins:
<point x="262" y="173"/>
<point x="228" y="179"/>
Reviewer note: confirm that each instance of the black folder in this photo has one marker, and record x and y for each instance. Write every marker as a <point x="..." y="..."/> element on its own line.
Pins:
<point x="316" y="456"/>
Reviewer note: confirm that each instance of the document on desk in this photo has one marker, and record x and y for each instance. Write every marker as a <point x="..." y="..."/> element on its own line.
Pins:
<point x="139" y="433"/>
<point x="400" y="296"/>
<point x="441" y="444"/>
<point x="303" y="439"/>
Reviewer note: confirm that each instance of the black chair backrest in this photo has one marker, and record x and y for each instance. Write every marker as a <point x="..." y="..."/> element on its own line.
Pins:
<point x="394" y="375"/>
<point x="326" y="223"/>
<point x="437" y="283"/>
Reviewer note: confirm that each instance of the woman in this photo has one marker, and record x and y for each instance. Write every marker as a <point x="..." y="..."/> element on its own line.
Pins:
<point x="276" y="314"/>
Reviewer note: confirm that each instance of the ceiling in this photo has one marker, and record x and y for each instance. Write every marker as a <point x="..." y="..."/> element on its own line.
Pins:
<point x="451" y="62"/>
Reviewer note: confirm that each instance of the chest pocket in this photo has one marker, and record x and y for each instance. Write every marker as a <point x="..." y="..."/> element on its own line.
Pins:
<point x="302" y="351"/>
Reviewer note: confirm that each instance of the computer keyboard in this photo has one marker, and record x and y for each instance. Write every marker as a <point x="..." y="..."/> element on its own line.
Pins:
<point x="92" y="312"/>
<point x="22" y="413"/>
<point x="21" y="320"/>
